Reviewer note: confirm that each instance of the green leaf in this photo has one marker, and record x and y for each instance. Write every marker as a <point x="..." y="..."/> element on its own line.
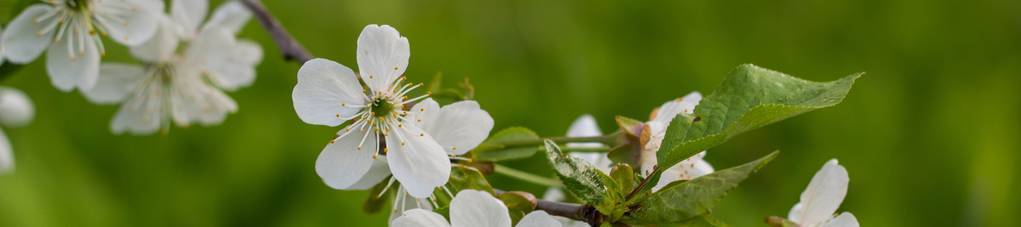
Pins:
<point x="624" y="175"/>
<point x="503" y="146"/>
<point x="585" y="181"/>
<point x="464" y="177"/>
<point x="681" y="202"/>
<point x="751" y="97"/>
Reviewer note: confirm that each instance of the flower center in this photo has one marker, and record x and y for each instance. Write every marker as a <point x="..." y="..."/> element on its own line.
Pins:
<point x="77" y="5"/>
<point x="381" y="107"/>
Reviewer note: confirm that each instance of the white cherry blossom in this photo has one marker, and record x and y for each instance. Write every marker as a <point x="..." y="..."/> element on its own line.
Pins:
<point x="180" y="87"/>
<point x="16" y="110"/>
<point x="471" y="208"/>
<point x="584" y="126"/>
<point x="653" y="132"/>
<point x="69" y="31"/>
<point x="822" y="197"/>
<point x="415" y="143"/>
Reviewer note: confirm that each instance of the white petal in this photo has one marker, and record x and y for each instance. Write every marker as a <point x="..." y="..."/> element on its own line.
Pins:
<point x="143" y="112"/>
<point x="472" y="208"/>
<point x="229" y="62"/>
<point x="115" y="83"/>
<point x="584" y="126"/>
<point x="845" y="219"/>
<point x="129" y="22"/>
<point x="419" y="218"/>
<point x="326" y="93"/>
<point x="16" y="109"/>
<point x="162" y="44"/>
<point x="416" y="160"/>
<point x="670" y="109"/>
<point x="6" y="154"/>
<point x="231" y="15"/>
<point x="345" y="160"/>
<point x="188" y="14"/>
<point x="824" y="194"/>
<point x="69" y="67"/>
<point x="192" y="100"/>
<point x="538" y="219"/>
<point x="688" y="169"/>
<point x="459" y="127"/>
<point x="379" y="171"/>
<point x="382" y="56"/>
<point x="23" y="41"/>
<point x="423" y="112"/>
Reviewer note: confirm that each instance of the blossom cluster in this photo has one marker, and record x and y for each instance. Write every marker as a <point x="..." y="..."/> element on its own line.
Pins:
<point x="392" y="137"/>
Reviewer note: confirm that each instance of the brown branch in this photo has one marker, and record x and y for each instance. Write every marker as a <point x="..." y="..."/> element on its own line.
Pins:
<point x="289" y="47"/>
<point x="574" y="211"/>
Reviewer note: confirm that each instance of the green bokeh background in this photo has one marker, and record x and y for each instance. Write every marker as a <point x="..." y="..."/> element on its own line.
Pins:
<point x="930" y="134"/>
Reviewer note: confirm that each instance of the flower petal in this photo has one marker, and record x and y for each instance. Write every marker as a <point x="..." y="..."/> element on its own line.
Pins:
<point x="229" y="62"/>
<point x="382" y="56"/>
<point x="69" y="67"/>
<point x="6" y="154"/>
<point x="23" y="41"/>
<point x="419" y="218"/>
<point x="188" y="15"/>
<point x="231" y="15"/>
<point x="142" y="113"/>
<point x="584" y="126"/>
<point x="670" y="109"/>
<point x="688" y="169"/>
<point x="347" y="159"/>
<point x="129" y="22"/>
<point x="416" y="160"/>
<point x="192" y="100"/>
<point x="471" y="208"/>
<point x="377" y="172"/>
<point x="823" y="196"/>
<point x="423" y="112"/>
<point x="116" y="81"/>
<point x="538" y="219"/>
<point x="459" y="127"/>
<point x="16" y="109"/>
<point x="327" y="93"/>
<point x="845" y="219"/>
<point x="162" y="44"/>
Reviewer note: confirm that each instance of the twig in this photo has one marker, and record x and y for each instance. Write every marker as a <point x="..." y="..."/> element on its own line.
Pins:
<point x="574" y="211"/>
<point x="289" y="47"/>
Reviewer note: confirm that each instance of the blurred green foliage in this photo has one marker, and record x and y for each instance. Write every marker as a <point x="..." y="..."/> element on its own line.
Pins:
<point x="929" y="134"/>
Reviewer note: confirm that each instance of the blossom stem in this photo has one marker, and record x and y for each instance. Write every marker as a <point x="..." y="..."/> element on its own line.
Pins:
<point x="607" y="139"/>
<point x="289" y="47"/>
<point x="525" y="176"/>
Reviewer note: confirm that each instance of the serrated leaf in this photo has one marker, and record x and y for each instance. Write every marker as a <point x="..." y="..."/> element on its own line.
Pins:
<point x="750" y="97"/>
<point x="681" y="202"/>
<point x="584" y="181"/>
<point x="499" y="146"/>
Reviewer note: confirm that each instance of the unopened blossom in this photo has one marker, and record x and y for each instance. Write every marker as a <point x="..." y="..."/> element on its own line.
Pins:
<point x="16" y="110"/>
<point x="415" y="142"/>
<point x="822" y="197"/>
<point x="179" y="87"/>
<point x="471" y="208"/>
<point x="70" y="32"/>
